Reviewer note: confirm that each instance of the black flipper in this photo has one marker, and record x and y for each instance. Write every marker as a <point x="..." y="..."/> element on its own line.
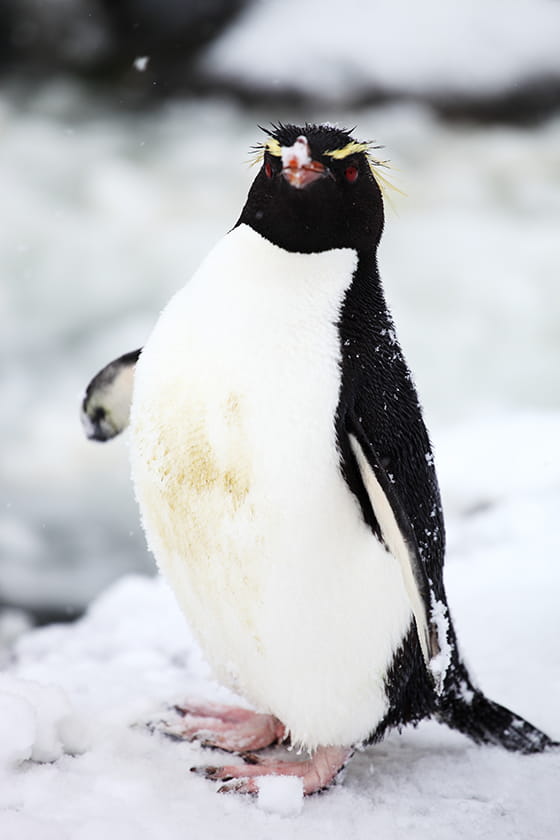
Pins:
<point x="395" y="531"/>
<point x="106" y="405"/>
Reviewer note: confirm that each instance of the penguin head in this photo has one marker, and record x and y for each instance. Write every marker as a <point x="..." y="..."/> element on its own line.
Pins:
<point x="315" y="190"/>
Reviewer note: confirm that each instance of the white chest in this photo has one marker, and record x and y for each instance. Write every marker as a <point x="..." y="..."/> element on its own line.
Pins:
<point x="237" y="475"/>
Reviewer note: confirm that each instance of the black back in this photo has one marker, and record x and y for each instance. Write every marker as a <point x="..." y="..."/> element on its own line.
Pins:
<point x="378" y="396"/>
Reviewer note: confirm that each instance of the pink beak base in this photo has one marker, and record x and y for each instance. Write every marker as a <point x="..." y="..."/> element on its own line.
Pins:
<point x="299" y="176"/>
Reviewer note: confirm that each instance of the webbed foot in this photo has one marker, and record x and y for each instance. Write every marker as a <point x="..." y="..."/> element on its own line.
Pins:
<point x="228" y="728"/>
<point x="317" y="773"/>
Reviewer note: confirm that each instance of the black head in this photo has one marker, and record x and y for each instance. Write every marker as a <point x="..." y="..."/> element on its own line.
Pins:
<point x="315" y="191"/>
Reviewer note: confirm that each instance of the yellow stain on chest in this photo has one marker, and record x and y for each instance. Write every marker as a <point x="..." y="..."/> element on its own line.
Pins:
<point x="202" y="468"/>
<point x="205" y="471"/>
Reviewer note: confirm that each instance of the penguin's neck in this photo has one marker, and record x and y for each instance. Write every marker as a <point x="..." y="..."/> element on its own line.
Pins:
<point x="252" y="267"/>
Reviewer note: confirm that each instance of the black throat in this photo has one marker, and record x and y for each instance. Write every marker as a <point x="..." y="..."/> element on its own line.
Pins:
<point x="309" y="221"/>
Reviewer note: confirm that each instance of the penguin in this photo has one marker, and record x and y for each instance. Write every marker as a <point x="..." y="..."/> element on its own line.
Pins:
<point x="287" y="485"/>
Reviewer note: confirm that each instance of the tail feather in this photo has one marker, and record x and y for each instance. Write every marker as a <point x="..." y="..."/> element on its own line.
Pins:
<point x="466" y="709"/>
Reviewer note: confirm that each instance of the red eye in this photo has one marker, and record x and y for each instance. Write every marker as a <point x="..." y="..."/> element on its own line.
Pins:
<point x="351" y="174"/>
<point x="268" y="169"/>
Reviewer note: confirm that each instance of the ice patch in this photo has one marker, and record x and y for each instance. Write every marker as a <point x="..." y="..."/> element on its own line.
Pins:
<point x="282" y="795"/>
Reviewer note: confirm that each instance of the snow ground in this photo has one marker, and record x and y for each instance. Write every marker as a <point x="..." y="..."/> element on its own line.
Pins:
<point x="77" y="697"/>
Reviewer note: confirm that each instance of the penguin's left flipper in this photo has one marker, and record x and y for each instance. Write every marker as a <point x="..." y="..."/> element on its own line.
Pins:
<point x="106" y="405"/>
<point x="395" y="531"/>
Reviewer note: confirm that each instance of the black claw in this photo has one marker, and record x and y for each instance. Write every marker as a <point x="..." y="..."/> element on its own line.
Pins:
<point x="161" y="727"/>
<point x="250" y="758"/>
<point x="212" y="773"/>
<point x="226" y="789"/>
<point x="208" y="745"/>
<point x="201" y="771"/>
<point x="238" y="787"/>
<point x="173" y="736"/>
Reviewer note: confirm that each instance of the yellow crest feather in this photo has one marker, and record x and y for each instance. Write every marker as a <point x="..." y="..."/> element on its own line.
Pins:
<point x="273" y="147"/>
<point x="258" y="157"/>
<point x="351" y="148"/>
<point x="383" y="183"/>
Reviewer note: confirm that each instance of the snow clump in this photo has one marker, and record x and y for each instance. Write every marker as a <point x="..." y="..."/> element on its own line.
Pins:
<point x="282" y="795"/>
<point x="36" y="722"/>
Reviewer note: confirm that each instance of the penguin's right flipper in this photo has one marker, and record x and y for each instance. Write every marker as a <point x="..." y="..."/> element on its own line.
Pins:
<point x="106" y="405"/>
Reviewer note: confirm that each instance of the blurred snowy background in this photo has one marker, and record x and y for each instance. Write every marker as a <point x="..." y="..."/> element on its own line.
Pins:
<point x="118" y="174"/>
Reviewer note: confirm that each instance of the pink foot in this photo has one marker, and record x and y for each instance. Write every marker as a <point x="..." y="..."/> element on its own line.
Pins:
<point x="228" y="728"/>
<point x="317" y="773"/>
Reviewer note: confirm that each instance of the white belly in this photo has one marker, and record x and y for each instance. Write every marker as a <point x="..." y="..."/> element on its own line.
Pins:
<point x="295" y="603"/>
